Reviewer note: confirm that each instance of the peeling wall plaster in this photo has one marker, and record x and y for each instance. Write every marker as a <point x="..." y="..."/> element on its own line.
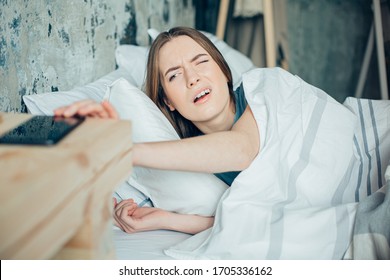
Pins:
<point x="53" y="45"/>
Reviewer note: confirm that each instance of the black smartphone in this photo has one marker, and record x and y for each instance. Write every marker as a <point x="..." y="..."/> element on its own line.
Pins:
<point x="41" y="130"/>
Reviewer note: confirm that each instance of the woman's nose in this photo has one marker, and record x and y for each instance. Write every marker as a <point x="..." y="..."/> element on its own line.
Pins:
<point x="192" y="78"/>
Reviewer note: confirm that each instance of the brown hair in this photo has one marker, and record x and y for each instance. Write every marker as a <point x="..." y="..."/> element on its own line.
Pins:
<point x="154" y="89"/>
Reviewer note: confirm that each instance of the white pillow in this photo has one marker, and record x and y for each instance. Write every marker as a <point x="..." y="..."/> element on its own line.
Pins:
<point x="182" y="192"/>
<point x="133" y="58"/>
<point x="45" y="103"/>
<point x="125" y="190"/>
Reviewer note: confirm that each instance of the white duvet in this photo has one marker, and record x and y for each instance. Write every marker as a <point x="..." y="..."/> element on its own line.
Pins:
<point x="298" y="198"/>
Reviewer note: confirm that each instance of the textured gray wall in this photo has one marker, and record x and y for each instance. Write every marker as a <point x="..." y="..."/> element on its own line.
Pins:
<point x="327" y="41"/>
<point x="51" y="45"/>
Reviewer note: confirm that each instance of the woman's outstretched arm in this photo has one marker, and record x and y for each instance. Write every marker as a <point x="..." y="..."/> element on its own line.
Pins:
<point x="231" y="150"/>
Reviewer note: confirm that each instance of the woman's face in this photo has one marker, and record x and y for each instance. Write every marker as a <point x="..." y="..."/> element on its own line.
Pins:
<point x="194" y="85"/>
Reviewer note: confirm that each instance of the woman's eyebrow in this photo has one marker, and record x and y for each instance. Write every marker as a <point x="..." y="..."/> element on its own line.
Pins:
<point x="192" y="60"/>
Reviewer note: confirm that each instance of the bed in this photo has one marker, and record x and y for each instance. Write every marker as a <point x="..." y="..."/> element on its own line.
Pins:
<point x="307" y="137"/>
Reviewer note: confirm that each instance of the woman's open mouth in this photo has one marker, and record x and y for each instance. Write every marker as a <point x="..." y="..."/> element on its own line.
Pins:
<point x="201" y="95"/>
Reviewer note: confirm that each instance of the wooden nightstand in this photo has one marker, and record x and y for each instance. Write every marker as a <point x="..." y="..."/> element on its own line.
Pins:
<point x="56" y="201"/>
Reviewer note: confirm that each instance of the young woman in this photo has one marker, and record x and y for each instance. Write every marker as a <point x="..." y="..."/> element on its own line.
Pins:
<point x="189" y="80"/>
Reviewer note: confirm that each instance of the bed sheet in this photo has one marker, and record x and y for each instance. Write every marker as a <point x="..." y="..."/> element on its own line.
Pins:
<point x="149" y="245"/>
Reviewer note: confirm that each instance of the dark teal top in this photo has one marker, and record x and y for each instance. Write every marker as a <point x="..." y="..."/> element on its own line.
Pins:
<point x="228" y="177"/>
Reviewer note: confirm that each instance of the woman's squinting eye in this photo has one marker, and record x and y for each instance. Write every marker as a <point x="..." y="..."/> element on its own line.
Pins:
<point x="202" y="61"/>
<point x="172" y="77"/>
<point x="198" y="61"/>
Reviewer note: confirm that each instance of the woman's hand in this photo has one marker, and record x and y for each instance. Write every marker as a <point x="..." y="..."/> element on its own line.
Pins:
<point x="88" y="108"/>
<point x="131" y="218"/>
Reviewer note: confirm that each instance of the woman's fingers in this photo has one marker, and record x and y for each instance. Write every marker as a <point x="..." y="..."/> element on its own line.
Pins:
<point x="72" y="109"/>
<point x="125" y="208"/>
<point x="124" y="219"/>
<point x="110" y="110"/>
<point x="88" y="108"/>
<point x="91" y="109"/>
